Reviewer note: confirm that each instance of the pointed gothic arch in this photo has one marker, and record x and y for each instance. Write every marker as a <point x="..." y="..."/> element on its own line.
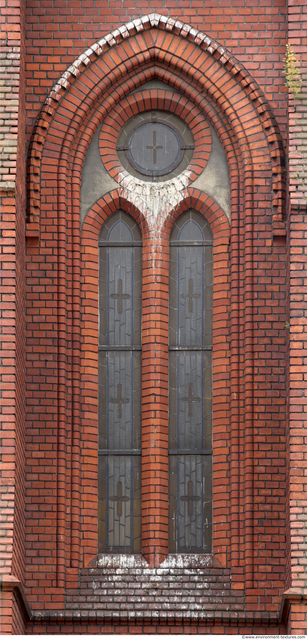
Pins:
<point x="186" y="59"/>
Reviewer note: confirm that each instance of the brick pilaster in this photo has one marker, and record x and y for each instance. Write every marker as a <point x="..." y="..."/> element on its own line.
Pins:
<point x="155" y="402"/>
<point x="295" y="596"/>
<point x="12" y="255"/>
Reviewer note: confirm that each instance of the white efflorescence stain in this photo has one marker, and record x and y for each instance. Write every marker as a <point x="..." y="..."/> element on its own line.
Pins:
<point x="154" y="199"/>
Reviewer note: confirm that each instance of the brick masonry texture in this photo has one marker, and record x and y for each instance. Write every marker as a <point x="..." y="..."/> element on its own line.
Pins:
<point x="68" y="67"/>
<point x="254" y="32"/>
<point x="150" y="48"/>
<point x="12" y="242"/>
<point x="297" y="229"/>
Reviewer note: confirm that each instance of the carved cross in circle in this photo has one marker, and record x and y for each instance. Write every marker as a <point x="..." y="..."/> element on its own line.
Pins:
<point x="119" y="498"/>
<point x="120" y="296"/>
<point x="191" y="296"/>
<point x="190" y="399"/>
<point x="119" y="400"/>
<point x="190" y="498"/>
<point x="154" y="146"/>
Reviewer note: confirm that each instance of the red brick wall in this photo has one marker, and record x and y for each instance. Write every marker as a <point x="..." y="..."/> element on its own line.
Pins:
<point x="12" y="250"/>
<point x="6" y="612"/>
<point x="18" y="627"/>
<point x="62" y="292"/>
<point x="297" y="234"/>
<point x="255" y="32"/>
<point x="19" y="540"/>
<point x="177" y="627"/>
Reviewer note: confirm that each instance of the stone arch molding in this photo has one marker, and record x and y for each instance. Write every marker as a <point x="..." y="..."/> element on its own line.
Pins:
<point x="186" y="59"/>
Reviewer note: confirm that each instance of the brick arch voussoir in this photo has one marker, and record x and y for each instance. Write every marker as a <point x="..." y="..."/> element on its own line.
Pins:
<point x="207" y="207"/>
<point x="227" y="75"/>
<point x="204" y="81"/>
<point x="103" y="209"/>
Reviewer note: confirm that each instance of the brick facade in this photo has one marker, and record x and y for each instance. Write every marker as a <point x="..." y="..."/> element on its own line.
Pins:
<point x="81" y="70"/>
<point x="12" y="207"/>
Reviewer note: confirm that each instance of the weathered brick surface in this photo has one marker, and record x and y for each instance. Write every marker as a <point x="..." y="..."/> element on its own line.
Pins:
<point x="297" y="234"/>
<point x="18" y="622"/>
<point x="181" y="583"/>
<point x="12" y="330"/>
<point x="249" y="337"/>
<point x="6" y="612"/>
<point x="243" y="588"/>
<point x="175" y="626"/>
<point x="256" y="33"/>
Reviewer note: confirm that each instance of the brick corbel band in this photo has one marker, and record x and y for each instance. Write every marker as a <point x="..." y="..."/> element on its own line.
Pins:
<point x="12" y="584"/>
<point x="289" y="598"/>
<point x="205" y="618"/>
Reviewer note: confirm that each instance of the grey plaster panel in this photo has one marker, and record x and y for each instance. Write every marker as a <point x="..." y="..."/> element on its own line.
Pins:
<point x="214" y="180"/>
<point x="95" y="181"/>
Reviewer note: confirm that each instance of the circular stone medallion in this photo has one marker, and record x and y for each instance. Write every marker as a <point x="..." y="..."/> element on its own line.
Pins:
<point x="155" y="149"/>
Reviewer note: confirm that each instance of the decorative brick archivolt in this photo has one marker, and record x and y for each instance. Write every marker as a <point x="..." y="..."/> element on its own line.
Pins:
<point x="186" y="51"/>
<point x="218" y="88"/>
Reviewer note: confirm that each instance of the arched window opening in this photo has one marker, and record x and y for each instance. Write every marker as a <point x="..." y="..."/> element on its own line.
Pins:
<point x="190" y="385"/>
<point x="120" y="296"/>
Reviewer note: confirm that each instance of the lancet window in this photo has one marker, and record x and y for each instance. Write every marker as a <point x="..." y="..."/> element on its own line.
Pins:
<point x="190" y="385"/>
<point x="119" y="378"/>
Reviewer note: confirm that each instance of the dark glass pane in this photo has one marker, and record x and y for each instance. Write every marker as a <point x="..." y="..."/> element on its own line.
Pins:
<point x="102" y="400"/>
<point x="119" y="400"/>
<point x="172" y="522"/>
<point x="119" y="504"/>
<point x="119" y="404"/>
<point x="207" y="514"/>
<point x="154" y="148"/>
<point x="190" y="304"/>
<point x="120" y="296"/>
<point x="191" y="296"/>
<point x="120" y="232"/>
<point x="207" y="400"/>
<point x="173" y="296"/>
<point x="191" y="282"/>
<point x="173" y="404"/>
<point x="190" y="232"/>
<point x="119" y="509"/>
<point x="190" y="504"/>
<point x="102" y="504"/>
<point x="190" y="408"/>
<point x="137" y="296"/>
<point x="127" y="231"/>
<point x="189" y="400"/>
<point x="137" y="504"/>
<point x="190" y="379"/>
<point x="208" y="296"/>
